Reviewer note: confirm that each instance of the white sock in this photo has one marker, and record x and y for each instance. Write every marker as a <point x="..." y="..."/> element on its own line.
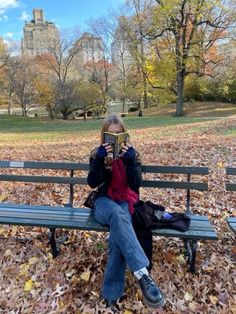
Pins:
<point x="140" y="272"/>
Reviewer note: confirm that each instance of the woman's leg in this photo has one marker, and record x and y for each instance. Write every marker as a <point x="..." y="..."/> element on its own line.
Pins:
<point x="123" y="245"/>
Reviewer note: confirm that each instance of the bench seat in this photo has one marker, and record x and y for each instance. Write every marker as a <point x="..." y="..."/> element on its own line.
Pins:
<point x="81" y="218"/>
<point x="232" y="223"/>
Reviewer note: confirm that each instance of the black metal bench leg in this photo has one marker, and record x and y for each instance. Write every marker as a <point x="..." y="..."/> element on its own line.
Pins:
<point x="192" y="262"/>
<point x="191" y="249"/>
<point x="52" y="240"/>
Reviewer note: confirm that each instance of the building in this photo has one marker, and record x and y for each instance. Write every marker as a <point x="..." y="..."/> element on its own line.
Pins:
<point x="121" y="50"/>
<point x="38" y="35"/>
<point x="90" y="48"/>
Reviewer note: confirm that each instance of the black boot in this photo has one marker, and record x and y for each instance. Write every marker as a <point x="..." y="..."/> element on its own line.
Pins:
<point x="152" y="295"/>
<point x="112" y="304"/>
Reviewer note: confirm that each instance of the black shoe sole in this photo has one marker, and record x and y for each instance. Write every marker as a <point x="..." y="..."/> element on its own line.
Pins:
<point x="154" y="305"/>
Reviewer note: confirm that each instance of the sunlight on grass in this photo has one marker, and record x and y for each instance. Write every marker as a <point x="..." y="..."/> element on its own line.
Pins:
<point x="15" y="130"/>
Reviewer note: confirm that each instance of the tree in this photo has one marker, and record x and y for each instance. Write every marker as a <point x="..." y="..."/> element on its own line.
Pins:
<point x="191" y="29"/>
<point x="133" y="26"/>
<point x="59" y="63"/>
<point x="67" y="99"/>
<point x="46" y="95"/>
<point x="23" y="83"/>
<point x="116" y="49"/>
<point x="100" y="73"/>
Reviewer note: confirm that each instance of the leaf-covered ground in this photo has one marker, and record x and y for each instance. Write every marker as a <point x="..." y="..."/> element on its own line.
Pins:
<point x="32" y="282"/>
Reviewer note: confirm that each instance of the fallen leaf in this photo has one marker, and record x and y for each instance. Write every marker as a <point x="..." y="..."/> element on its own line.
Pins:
<point x="8" y="253"/>
<point x="181" y="259"/>
<point x="188" y="297"/>
<point x="28" y="285"/>
<point x="33" y="260"/>
<point x="85" y="275"/>
<point x="213" y="299"/>
<point x="3" y="197"/>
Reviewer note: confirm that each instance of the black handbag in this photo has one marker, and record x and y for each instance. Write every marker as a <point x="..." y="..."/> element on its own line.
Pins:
<point x="91" y="198"/>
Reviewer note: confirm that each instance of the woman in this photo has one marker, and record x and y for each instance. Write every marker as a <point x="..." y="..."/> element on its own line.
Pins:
<point x="119" y="180"/>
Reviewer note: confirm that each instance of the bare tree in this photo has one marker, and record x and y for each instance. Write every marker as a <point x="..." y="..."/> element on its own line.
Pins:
<point x="133" y="27"/>
<point x="23" y="83"/>
<point x="62" y="51"/>
<point x="116" y="49"/>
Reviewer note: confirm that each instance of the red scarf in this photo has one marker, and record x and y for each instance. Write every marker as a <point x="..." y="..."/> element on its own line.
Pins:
<point x="118" y="189"/>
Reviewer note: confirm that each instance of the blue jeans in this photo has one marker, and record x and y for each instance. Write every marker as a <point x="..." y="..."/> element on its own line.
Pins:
<point x="124" y="247"/>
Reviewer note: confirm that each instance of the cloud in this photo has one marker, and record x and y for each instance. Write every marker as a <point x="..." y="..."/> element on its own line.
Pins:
<point x="8" y="4"/>
<point x="8" y="35"/>
<point x="24" y="16"/>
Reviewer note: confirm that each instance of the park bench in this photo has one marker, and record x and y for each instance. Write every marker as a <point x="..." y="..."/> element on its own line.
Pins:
<point x="69" y="217"/>
<point x="231" y="187"/>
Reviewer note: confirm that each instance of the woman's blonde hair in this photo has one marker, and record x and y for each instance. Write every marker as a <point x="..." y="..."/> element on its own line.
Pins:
<point x="112" y="118"/>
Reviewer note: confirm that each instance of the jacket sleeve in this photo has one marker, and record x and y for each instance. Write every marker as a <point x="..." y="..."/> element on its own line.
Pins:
<point x="97" y="172"/>
<point x="134" y="172"/>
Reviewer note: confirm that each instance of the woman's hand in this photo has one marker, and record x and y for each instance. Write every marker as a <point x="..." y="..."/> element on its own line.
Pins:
<point x="107" y="153"/>
<point x="128" y="151"/>
<point x="103" y="150"/>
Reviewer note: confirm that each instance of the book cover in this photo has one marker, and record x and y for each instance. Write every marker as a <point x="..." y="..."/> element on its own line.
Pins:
<point x="115" y="140"/>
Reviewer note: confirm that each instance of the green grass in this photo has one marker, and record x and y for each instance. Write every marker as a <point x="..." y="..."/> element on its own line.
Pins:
<point x="14" y="124"/>
<point x="231" y="131"/>
<point x="18" y="129"/>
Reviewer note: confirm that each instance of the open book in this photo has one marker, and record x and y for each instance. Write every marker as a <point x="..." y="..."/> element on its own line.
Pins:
<point x="115" y="140"/>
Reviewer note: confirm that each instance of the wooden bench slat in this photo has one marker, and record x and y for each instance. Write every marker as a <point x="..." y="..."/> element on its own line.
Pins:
<point x="230" y="186"/>
<point x="232" y="223"/>
<point x="190" y="234"/>
<point x="83" y="181"/>
<point x="231" y="170"/>
<point x="84" y="166"/>
<point x="175" y="169"/>
<point x="70" y="214"/>
<point x="175" y="185"/>
<point x="80" y="209"/>
<point x="43" y="165"/>
<point x="204" y="226"/>
<point x="92" y="225"/>
<point x="44" y="179"/>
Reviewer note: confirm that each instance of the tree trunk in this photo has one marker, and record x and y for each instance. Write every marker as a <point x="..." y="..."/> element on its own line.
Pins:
<point x="145" y="97"/>
<point x="65" y="115"/>
<point x="124" y="95"/>
<point x="123" y="104"/>
<point x="9" y="107"/>
<point x="180" y="94"/>
<point x="24" y="112"/>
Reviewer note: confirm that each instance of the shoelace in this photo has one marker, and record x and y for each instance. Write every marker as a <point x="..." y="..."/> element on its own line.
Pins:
<point x="148" y="280"/>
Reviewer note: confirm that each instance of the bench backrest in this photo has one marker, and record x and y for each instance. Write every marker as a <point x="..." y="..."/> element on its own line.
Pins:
<point x="71" y="179"/>
<point x="230" y="171"/>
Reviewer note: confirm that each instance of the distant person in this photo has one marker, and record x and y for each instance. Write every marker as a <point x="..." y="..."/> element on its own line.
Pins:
<point x="119" y="180"/>
<point x="140" y="113"/>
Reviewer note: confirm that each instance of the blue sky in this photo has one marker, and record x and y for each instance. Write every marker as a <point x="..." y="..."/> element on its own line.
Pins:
<point x="65" y="13"/>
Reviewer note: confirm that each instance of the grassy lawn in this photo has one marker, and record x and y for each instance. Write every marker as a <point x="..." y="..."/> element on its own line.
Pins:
<point x="19" y="129"/>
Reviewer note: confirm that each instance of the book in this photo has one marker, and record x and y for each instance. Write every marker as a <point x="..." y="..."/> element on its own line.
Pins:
<point x="115" y="140"/>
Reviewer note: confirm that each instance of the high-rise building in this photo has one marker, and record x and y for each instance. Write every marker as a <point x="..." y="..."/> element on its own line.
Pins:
<point x="121" y="50"/>
<point x="90" y="48"/>
<point x="39" y="35"/>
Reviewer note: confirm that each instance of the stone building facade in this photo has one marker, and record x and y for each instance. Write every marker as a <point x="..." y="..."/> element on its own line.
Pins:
<point x="39" y="35"/>
<point x="90" y="48"/>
